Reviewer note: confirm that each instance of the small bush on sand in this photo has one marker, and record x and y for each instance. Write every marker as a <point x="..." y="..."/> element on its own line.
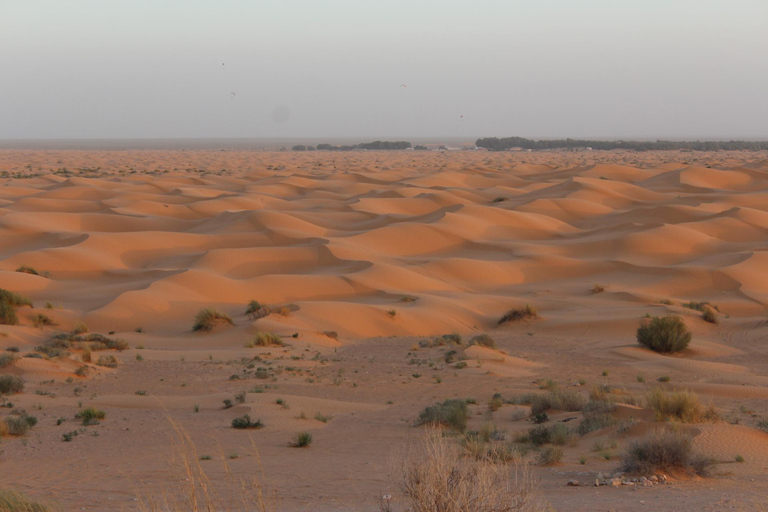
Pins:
<point x="664" y="450"/>
<point x="253" y="307"/>
<point x="208" y="318"/>
<point x="14" y="299"/>
<point x="107" y="361"/>
<point x="559" y="399"/>
<point x="597" y="416"/>
<point x="451" y="413"/>
<point x="483" y="340"/>
<point x="539" y="435"/>
<point x="12" y="501"/>
<point x="8" y="314"/>
<point x="265" y="339"/>
<point x="495" y="402"/>
<point x="710" y="316"/>
<point x="683" y="406"/>
<point x="302" y="440"/>
<point x="598" y="288"/>
<point x="26" y="269"/>
<point x="522" y="313"/>
<point x="550" y="456"/>
<point x="41" y="320"/>
<point x="90" y="414"/>
<point x="664" y="334"/>
<point x="19" y="425"/>
<point x="7" y="359"/>
<point x="699" y="305"/>
<point x="437" y="478"/>
<point x="245" y="421"/>
<point x="10" y="384"/>
<point x="80" y="328"/>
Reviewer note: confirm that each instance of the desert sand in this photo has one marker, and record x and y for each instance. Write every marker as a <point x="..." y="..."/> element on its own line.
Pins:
<point x="370" y="253"/>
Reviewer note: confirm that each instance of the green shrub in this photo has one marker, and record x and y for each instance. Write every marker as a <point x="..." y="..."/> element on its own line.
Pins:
<point x="522" y="313"/>
<point x="698" y="306"/>
<point x="664" y="450"/>
<point x="460" y="365"/>
<point x="10" y="384"/>
<point x="80" y="328"/>
<point x="14" y="299"/>
<point x="664" y="334"/>
<point x="451" y="413"/>
<point x="539" y="435"/>
<point x="302" y="440"/>
<point x="483" y="340"/>
<point x="495" y="402"/>
<point x="90" y="414"/>
<point x="8" y="314"/>
<point x="207" y="318"/>
<point x="244" y="422"/>
<point x="253" y="307"/>
<point x="265" y="339"/>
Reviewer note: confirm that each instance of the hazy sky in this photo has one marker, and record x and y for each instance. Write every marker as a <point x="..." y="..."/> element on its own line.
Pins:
<point x="317" y="68"/>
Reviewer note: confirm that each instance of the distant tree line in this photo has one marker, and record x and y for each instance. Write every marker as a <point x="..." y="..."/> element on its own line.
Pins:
<point x="302" y="147"/>
<point x="375" y="145"/>
<point x="496" y="144"/>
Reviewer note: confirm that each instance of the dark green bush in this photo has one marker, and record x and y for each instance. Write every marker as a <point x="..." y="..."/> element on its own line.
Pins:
<point x="10" y="384"/>
<point x="451" y="413"/>
<point x="245" y="422"/>
<point x="664" y="450"/>
<point x="664" y="334"/>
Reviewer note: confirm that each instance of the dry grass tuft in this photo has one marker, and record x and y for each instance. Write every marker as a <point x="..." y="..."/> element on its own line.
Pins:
<point x="12" y="501"/>
<point x="523" y="313"/>
<point x="208" y="318"/>
<point x="438" y="478"/>
<point x="683" y="406"/>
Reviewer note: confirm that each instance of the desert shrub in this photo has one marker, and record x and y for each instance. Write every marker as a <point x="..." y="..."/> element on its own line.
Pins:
<point x="450" y="356"/>
<point x="117" y="344"/>
<point x="82" y="371"/>
<point x="331" y="334"/>
<point x="107" y="361"/>
<point x="253" y="307"/>
<point x="41" y="320"/>
<point x="664" y="450"/>
<point x="80" y="328"/>
<point x="522" y="313"/>
<point x="438" y="478"/>
<point x="207" y="318"/>
<point x="90" y="414"/>
<point x="539" y="435"/>
<point x="265" y="339"/>
<point x="19" y="425"/>
<point x="460" y="365"/>
<point x="244" y="422"/>
<point x="681" y="406"/>
<point x="452" y="338"/>
<point x="451" y="413"/>
<point x="11" y="349"/>
<point x="560" y="434"/>
<point x="12" y="501"/>
<point x="10" y="384"/>
<point x="26" y="269"/>
<point x="483" y="340"/>
<point x="322" y="417"/>
<point x="664" y="334"/>
<point x="699" y="305"/>
<point x="7" y="314"/>
<point x="302" y="440"/>
<point x="709" y="315"/>
<point x="7" y="359"/>
<point x="14" y="299"/>
<point x="598" y="288"/>
<point x="550" y="455"/>
<point x="495" y="402"/>
<point x="561" y="400"/>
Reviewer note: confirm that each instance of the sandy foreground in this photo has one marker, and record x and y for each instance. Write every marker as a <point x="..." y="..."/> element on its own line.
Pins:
<point x="385" y="249"/>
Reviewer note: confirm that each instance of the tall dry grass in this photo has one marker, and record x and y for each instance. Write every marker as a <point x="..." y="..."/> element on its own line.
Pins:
<point x="437" y="478"/>
<point x="196" y="491"/>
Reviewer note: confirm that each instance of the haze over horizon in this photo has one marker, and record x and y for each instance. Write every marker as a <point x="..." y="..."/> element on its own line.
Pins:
<point x="233" y="69"/>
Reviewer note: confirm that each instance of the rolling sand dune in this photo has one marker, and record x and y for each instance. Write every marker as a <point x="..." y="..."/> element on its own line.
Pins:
<point x="359" y="259"/>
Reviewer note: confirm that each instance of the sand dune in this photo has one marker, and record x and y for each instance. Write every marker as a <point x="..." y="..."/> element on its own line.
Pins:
<point x="371" y="255"/>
